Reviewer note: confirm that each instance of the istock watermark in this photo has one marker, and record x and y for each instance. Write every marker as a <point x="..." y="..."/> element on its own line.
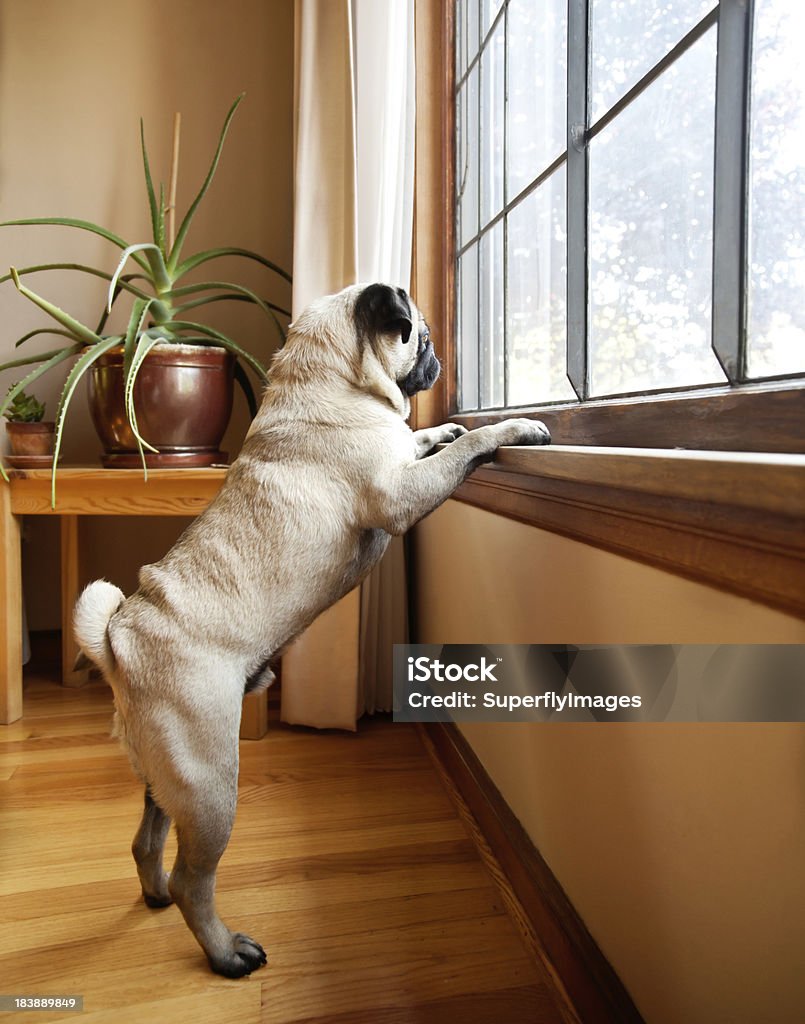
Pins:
<point x="599" y="683"/>
<point x="425" y="669"/>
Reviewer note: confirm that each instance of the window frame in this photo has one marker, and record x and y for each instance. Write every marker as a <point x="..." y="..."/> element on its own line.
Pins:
<point x="706" y="417"/>
<point x="711" y="535"/>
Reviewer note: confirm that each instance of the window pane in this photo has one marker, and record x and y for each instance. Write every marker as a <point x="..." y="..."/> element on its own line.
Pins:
<point x="466" y="34"/>
<point x="537" y="287"/>
<point x="537" y="93"/>
<point x="467" y="158"/>
<point x="651" y="212"/>
<point x="776" y="306"/>
<point x="468" y="329"/>
<point x="489" y="10"/>
<point x="490" y="369"/>
<point x="629" y="37"/>
<point x="492" y="112"/>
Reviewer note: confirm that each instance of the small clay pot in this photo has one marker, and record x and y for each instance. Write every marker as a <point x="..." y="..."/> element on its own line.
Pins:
<point x="31" y="444"/>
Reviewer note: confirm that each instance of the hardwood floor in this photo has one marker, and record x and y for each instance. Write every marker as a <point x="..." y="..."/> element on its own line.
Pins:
<point x="348" y="861"/>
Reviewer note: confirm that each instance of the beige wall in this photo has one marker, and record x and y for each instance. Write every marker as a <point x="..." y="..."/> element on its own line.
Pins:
<point x="681" y="846"/>
<point x="75" y="78"/>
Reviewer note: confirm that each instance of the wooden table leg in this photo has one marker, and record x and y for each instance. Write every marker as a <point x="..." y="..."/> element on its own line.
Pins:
<point x="254" y="718"/>
<point x="10" y="611"/>
<point x="69" y="596"/>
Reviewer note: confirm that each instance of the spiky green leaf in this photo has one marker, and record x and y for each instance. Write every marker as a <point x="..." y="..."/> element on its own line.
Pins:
<point x="48" y="361"/>
<point x="139" y="311"/>
<point x="149" y="185"/>
<point x="213" y="254"/>
<point x="235" y="291"/>
<point x="144" y="346"/>
<point x="188" y="218"/>
<point x="38" y="358"/>
<point x="159" y="275"/>
<point x="204" y="286"/>
<point x="33" y="334"/>
<point x="77" y="329"/>
<point x="125" y="281"/>
<point x="247" y="389"/>
<point x="80" y="367"/>
<point x="160" y="236"/>
<point x="182" y="310"/>
<point x="219" y="297"/>
<point x="72" y="222"/>
<point x="223" y="340"/>
<point x="121" y="285"/>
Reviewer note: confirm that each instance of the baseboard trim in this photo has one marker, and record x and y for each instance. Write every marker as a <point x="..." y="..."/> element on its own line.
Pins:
<point x="587" y="987"/>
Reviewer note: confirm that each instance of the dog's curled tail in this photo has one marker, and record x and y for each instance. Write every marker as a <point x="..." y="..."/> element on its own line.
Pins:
<point x="94" y="608"/>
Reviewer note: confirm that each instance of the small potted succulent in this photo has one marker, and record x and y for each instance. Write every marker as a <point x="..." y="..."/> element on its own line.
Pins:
<point x="149" y="374"/>
<point x="29" y="436"/>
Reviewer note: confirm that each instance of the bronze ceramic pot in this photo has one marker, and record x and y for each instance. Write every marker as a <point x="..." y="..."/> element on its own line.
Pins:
<point x="183" y="401"/>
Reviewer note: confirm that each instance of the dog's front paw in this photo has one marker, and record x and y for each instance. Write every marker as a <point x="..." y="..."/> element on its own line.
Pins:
<point x="245" y="956"/>
<point x="450" y="431"/>
<point x="523" y="431"/>
<point x="430" y="437"/>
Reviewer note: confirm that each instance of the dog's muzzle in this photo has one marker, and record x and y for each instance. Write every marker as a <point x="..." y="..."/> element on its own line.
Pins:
<point x="425" y="373"/>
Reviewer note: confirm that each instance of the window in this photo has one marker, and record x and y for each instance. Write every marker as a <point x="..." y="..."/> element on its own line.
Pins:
<point x="629" y="187"/>
<point x="615" y="169"/>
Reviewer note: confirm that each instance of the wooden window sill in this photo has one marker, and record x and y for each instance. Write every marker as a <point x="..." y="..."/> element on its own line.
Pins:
<point x="766" y="417"/>
<point x="730" y="519"/>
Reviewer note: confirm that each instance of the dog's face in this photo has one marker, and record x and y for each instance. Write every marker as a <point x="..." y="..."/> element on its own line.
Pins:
<point x="372" y="335"/>
<point x="388" y="321"/>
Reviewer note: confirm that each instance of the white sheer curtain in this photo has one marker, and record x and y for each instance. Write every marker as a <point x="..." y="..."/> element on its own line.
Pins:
<point x="353" y="221"/>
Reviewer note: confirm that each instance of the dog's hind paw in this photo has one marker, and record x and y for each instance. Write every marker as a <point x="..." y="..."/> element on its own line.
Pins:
<point x="157" y="902"/>
<point x="155" y="889"/>
<point x="246" y="956"/>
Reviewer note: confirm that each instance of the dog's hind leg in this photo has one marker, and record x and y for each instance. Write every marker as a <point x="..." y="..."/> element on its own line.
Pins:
<point x="203" y="826"/>
<point x="147" y="847"/>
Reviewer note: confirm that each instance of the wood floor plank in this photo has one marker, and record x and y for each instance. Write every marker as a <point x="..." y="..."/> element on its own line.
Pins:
<point x="391" y="966"/>
<point x="525" y="1003"/>
<point x="230" y="1004"/>
<point x="348" y="862"/>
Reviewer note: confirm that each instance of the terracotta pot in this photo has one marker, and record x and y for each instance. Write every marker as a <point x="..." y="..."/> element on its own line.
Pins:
<point x="183" y="402"/>
<point x="31" y="444"/>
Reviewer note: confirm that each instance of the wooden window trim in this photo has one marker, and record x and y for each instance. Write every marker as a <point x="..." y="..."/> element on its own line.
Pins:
<point x="741" y="546"/>
<point x="745" y="418"/>
<point x="733" y="521"/>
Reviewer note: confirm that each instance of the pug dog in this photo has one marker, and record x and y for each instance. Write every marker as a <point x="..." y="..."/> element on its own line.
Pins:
<point x="329" y="471"/>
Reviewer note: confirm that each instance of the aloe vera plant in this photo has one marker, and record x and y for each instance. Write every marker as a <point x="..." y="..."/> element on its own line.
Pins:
<point x="160" y="305"/>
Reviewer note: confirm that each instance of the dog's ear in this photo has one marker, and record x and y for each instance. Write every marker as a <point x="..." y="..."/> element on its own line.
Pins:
<point x="381" y="309"/>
